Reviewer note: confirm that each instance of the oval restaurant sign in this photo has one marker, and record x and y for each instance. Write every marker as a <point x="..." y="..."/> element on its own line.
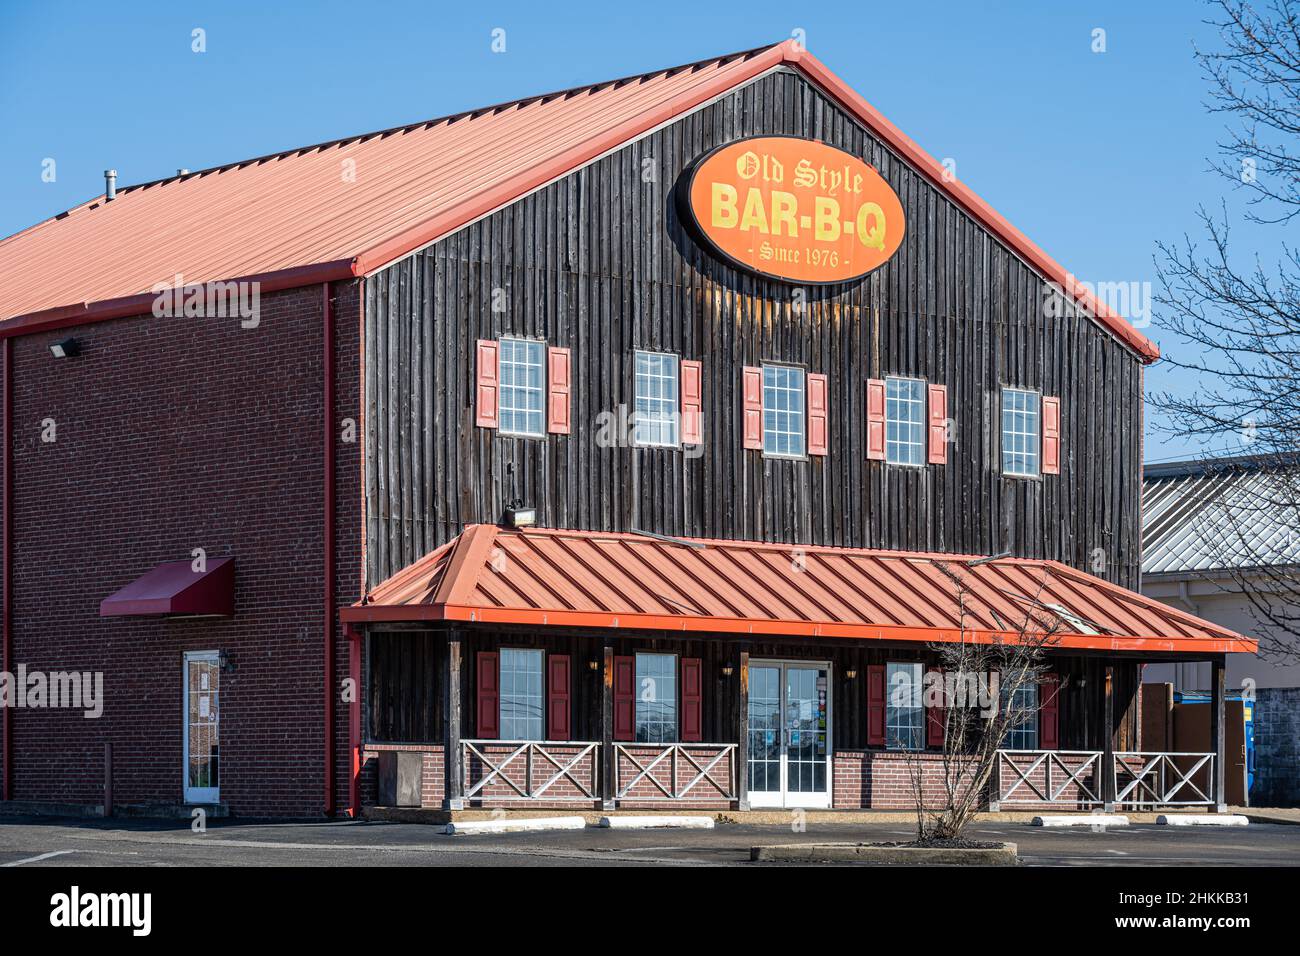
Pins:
<point x="795" y="209"/>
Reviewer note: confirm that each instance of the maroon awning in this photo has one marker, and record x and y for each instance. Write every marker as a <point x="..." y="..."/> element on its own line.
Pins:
<point x="176" y="588"/>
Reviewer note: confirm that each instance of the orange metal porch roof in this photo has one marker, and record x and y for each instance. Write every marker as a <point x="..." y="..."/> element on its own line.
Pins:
<point x="293" y="218"/>
<point x="556" y="578"/>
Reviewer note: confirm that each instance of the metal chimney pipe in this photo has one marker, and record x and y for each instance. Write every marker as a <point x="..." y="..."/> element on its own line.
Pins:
<point x="110" y="185"/>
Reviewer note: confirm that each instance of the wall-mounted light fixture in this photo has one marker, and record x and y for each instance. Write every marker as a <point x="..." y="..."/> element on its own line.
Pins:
<point x="517" y="517"/>
<point x="727" y="670"/>
<point x="593" y="664"/>
<point x="851" y="673"/>
<point x="65" y="348"/>
<point x="226" y="662"/>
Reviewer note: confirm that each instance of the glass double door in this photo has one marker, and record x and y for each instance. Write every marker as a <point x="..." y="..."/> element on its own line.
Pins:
<point x="789" y="734"/>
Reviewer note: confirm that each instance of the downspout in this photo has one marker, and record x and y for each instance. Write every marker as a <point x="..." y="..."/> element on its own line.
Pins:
<point x="327" y="402"/>
<point x="6" y="575"/>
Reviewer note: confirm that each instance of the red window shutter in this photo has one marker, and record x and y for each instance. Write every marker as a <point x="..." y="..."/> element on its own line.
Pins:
<point x="938" y="424"/>
<point x="875" y="705"/>
<point x="624" y="715"/>
<point x="488" y="388"/>
<point x="557" y="697"/>
<point x="934" y="716"/>
<point x="753" y="393"/>
<point x="876" y="420"/>
<point x="692" y="727"/>
<point x="1051" y="436"/>
<point x="1049" y="713"/>
<point x="557" y="381"/>
<point x="817" y="400"/>
<point x="692" y="402"/>
<point x="488" y="707"/>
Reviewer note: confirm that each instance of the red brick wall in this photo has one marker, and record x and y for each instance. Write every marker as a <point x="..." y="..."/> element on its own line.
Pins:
<point x="883" y="780"/>
<point x="432" y="787"/>
<point x="177" y="433"/>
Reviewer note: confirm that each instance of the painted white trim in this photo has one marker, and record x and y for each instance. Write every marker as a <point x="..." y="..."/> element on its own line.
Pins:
<point x="784" y="799"/>
<point x="196" y="794"/>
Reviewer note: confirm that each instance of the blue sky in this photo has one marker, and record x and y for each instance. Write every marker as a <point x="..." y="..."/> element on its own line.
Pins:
<point x="1094" y="155"/>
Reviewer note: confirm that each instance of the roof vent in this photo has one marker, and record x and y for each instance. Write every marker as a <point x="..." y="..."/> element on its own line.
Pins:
<point x="110" y="185"/>
<point x="182" y="172"/>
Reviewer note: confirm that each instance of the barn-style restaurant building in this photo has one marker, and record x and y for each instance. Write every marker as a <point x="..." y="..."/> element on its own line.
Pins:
<point x="626" y="446"/>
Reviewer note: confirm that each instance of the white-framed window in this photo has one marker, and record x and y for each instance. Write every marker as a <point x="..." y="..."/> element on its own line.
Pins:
<point x="656" y="698"/>
<point x="523" y="387"/>
<point x="1020" y="432"/>
<point x="523" y="694"/>
<point x="657" y="399"/>
<point x="904" y="706"/>
<point x="1023" y="708"/>
<point x="783" y="411"/>
<point x="904" y="421"/>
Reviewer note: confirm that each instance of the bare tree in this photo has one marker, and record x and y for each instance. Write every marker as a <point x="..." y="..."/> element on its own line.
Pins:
<point x="1238" y="314"/>
<point x="983" y="700"/>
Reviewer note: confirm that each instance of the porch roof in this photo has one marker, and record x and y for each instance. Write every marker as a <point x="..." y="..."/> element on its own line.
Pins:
<point x="562" y="578"/>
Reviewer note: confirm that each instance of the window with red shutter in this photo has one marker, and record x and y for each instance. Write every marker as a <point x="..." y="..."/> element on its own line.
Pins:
<point x="1051" y="435"/>
<point x="487" y="708"/>
<point x="935" y="714"/>
<point x="692" y="402"/>
<point x="557" y="405"/>
<point x="753" y="398"/>
<point x="938" y="395"/>
<point x="487" y="392"/>
<point x="818" y="438"/>
<point x="876" y="705"/>
<point x="624" y="681"/>
<point x="692" y="725"/>
<point x="876" y="433"/>
<point x="1049" y="713"/>
<point x="557" y="697"/>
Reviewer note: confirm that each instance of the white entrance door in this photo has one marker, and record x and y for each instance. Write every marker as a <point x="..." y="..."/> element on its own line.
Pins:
<point x="202" y="724"/>
<point x="789" y="734"/>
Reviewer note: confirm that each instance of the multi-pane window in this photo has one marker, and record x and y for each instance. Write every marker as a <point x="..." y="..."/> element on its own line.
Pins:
<point x="523" y="387"/>
<point x="783" y="411"/>
<point x="523" y="696"/>
<point x="656" y="399"/>
<point x="904" y="421"/>
<point x="1020" y="434"/>
<point x="904" y="707"/>
<point x="1022" y="707"/>
<point x="656" y="698"/>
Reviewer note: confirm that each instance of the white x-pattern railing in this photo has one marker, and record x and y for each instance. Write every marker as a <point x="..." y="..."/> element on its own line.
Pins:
<point x="563" y="761"/>
<point x="1073" y="777"/>
<point x="700" y="758"/>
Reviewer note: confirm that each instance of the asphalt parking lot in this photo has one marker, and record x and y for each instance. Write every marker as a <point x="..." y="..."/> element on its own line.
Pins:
<point x="78" y="843"/>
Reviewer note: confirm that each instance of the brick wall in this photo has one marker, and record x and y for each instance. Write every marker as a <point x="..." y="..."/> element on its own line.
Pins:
<point x="172" y="434"/>
<point x="883" y="780"/>
<point x="433" y="767"/>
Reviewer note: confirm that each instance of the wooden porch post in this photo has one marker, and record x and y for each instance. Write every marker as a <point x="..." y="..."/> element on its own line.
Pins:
<point x="1108" y="739"/>
<point x="607" y="730"/>
<point x="742" y="735"/>
<point x="1218" y="736"/>
<point x="453" y="772"/>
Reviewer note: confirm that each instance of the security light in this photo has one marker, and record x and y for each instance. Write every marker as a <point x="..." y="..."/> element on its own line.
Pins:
<point x="517" y="517"/>
<point x="66" y="348"/>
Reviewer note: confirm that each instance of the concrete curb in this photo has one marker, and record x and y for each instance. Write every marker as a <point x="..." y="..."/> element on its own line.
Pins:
<point x="469" y="827"/>
<point x="1082" y="820"/>
<point x="1202" y="820"/>
<point x="1003" y="855"/>
<point x="656" y="822"/>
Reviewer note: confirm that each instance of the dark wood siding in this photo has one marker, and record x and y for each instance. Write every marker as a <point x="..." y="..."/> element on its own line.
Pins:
<point x="598" y="262"/>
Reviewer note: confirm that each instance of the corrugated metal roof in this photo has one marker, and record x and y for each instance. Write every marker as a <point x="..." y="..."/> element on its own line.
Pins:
<point x="1207" y="516"/>
<point x="589" y="579"/>
<point x="295" y="217"/>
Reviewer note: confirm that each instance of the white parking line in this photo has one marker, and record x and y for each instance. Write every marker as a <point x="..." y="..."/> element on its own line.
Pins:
<point x="37" y="859"/>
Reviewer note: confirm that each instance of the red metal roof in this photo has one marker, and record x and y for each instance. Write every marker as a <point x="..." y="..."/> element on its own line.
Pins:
<point x="595" y="579"/>
<point x="174" y="587"/>
<point x="293" y="218"/>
